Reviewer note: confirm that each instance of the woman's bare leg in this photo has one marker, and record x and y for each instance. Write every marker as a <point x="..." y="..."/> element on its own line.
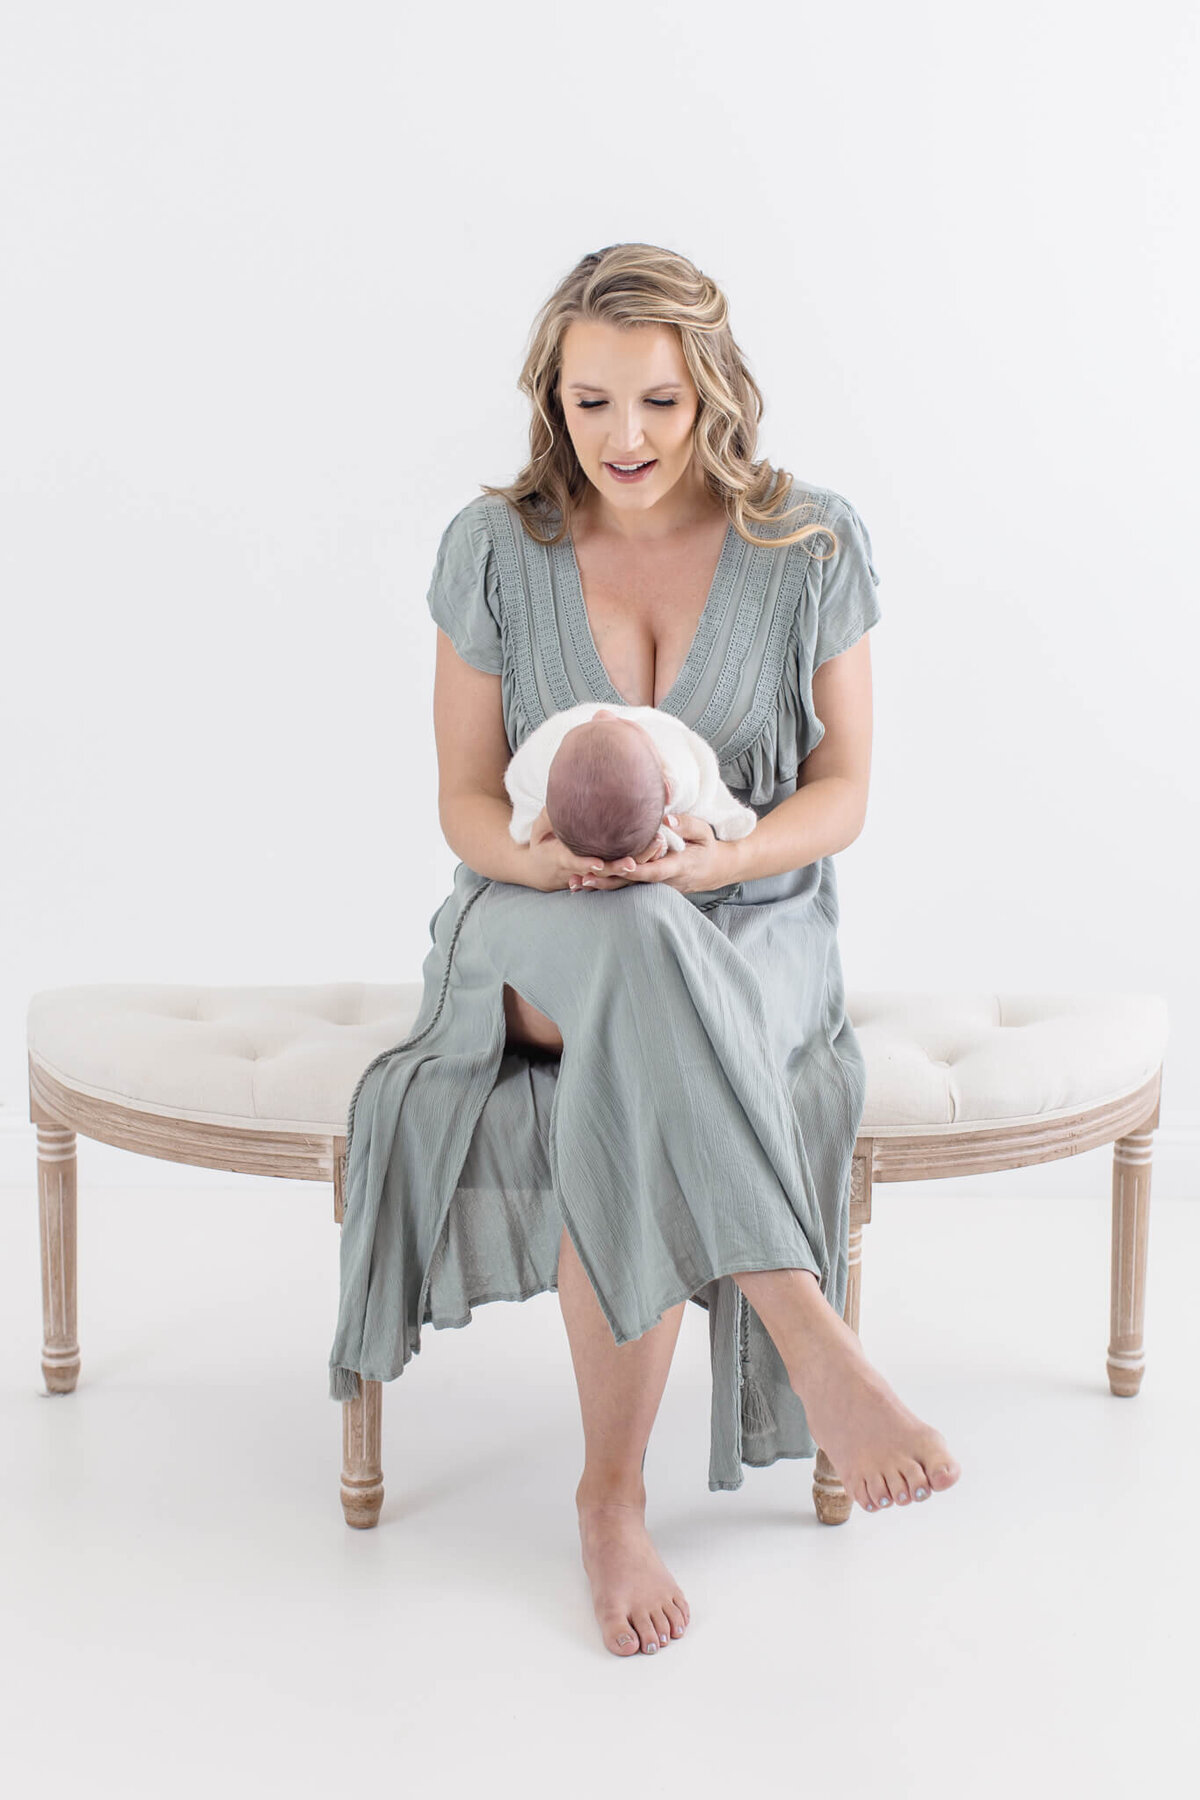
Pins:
<point x="882" y="1452"/>
<point x="638" y="1603"/>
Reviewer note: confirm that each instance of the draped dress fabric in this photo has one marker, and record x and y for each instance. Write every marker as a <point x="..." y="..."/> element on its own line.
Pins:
<point x="701" y="1118"/>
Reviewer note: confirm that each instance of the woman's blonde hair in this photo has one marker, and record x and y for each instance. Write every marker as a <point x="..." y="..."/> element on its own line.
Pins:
<point x="641" y="284"/>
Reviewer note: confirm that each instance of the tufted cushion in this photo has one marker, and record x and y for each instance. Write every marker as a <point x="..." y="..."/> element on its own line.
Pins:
<point x="288" y="1058"/>
<point x="950" y="1061"/>
<point x="283" y="1057"/>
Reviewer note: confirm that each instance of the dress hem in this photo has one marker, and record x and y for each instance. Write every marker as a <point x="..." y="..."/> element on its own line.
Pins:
<point x="337" y="1371"/>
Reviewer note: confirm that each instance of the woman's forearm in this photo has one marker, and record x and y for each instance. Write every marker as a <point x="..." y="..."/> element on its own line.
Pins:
<point x="476" y="828"/>
<point x="815" y="821"/>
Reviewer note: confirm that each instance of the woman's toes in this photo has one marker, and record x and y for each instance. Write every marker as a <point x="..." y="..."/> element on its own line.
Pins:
<point x="897" y="1487"/>
<point x="915" y="1480"/>
<point x="877" y="1493"/>
<point x="943" y="1472"/>
<point x="646" y="1632"/>
<point x="675" y="1621"/>
<point x="623" y="1638"/>
<point x="684" y="1609"/>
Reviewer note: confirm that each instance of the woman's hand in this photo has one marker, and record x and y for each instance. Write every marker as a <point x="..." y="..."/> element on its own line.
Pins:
<point x="550" y="864"/>
<point x="706" y="862"/>
<point x="623" y="869"/>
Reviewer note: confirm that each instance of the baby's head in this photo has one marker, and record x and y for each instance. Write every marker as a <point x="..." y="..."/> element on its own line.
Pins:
<point x="607" y="789"/>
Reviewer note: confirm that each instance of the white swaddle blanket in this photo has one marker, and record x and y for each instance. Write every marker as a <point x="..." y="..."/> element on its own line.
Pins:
<point x="691" y="770"/>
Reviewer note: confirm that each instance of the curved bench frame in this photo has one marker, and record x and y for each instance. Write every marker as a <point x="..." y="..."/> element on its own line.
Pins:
<point x="60" y="1112"/>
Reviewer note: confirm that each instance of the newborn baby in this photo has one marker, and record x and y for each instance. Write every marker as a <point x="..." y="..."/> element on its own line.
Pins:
<point x="606" y="775"/>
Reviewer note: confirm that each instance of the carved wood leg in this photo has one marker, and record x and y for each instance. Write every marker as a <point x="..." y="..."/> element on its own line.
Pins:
<point x="1130" y="1236"/>
<point x="830" y="1498"/>
<point x="362" y="1471"/>
<point x="57" y="1170"/>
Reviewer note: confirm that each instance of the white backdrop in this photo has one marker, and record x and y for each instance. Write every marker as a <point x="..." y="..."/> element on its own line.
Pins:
<point x="269" y="276"/>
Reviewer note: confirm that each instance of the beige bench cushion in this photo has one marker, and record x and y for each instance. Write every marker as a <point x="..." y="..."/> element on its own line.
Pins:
<point x="288" y="1058"/>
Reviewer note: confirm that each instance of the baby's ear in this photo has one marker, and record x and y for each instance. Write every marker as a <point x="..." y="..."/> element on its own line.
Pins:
<point x="670" y="787"/>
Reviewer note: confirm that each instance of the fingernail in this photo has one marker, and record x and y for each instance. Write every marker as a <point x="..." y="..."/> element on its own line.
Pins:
<point x="671" y="819"/>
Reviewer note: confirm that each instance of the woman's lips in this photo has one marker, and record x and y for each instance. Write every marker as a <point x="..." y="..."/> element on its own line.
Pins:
<point x="631" y="474"/>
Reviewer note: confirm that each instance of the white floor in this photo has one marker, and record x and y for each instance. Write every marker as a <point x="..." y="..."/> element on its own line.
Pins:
<point x="188" y="1614"/>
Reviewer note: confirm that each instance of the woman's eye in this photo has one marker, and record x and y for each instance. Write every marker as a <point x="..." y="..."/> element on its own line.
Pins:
<point x="587" y="405"/>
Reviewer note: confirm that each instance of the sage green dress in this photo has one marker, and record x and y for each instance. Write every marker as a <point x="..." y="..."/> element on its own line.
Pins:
<point x="701" y="1118"/>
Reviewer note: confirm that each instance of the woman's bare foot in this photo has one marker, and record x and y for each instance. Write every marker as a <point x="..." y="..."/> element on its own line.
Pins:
<point x="637" y="1601"/>
<point x="881" y="1450"/>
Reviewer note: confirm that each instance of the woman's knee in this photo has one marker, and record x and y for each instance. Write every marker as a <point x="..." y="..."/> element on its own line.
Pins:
<point x="524" y="1024"/>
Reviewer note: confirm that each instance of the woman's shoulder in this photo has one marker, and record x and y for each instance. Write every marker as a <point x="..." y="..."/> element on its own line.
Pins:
<point x="488" y="521"/>
<point x="472" y="521"/>
<point x="813" y="503"/>
<point x="841" y="548"/>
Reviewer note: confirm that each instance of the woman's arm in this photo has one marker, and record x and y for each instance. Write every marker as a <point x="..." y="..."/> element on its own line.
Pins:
<point x="829" y="807"/>
<point x="474" y="808"/>
<point x="472" y="753"/>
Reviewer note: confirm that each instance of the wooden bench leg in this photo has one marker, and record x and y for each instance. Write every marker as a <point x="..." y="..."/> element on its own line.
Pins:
<point x="1130" y="1237"/>
<point x="832" y="1502"/>
<point x="57" y="1168"/>
<point x="362" y="1471"/>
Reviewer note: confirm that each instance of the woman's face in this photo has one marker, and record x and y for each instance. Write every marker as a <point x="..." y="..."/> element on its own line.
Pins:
<point x="627" y="397"/>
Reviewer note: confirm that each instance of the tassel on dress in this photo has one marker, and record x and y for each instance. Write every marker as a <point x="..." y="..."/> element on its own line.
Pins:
<point x="757" y="1417"/>
<point x="343" y="1383"/>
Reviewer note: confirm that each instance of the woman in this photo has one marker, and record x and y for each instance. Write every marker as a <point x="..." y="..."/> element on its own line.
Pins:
<point x="645" y="1096"/>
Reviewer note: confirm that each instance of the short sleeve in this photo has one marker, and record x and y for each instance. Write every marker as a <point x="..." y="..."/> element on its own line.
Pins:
<point x="847" y="604"/>
<point x="463" y="594"/>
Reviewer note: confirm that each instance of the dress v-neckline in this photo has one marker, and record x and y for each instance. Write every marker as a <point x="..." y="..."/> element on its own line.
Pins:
<point x="699" y="649"/>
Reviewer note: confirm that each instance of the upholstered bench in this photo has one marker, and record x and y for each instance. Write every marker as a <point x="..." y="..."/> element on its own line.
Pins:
<point x="259" y="1080"/>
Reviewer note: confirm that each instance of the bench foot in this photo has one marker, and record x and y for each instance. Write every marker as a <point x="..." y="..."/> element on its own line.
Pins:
<point x="57" y="1169"/>
<point x="362" y="1471"/>
<point x="1130" y="1236"/>
<point x="830" y="1498"/>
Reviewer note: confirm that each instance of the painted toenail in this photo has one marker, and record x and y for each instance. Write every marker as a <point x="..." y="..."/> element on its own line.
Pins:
<point x="650" y="1649"/>
<point x="902" y="1500"/>
<point x="921" y="1494"/>
<point x="870" y="1506"/>
<point x="886" y="1501"/>
<point x="662" y="1640"/>
<point x="624" y="1638"/>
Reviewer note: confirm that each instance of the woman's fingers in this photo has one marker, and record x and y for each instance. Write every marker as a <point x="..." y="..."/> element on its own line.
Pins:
<point x="696" y="831"/>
